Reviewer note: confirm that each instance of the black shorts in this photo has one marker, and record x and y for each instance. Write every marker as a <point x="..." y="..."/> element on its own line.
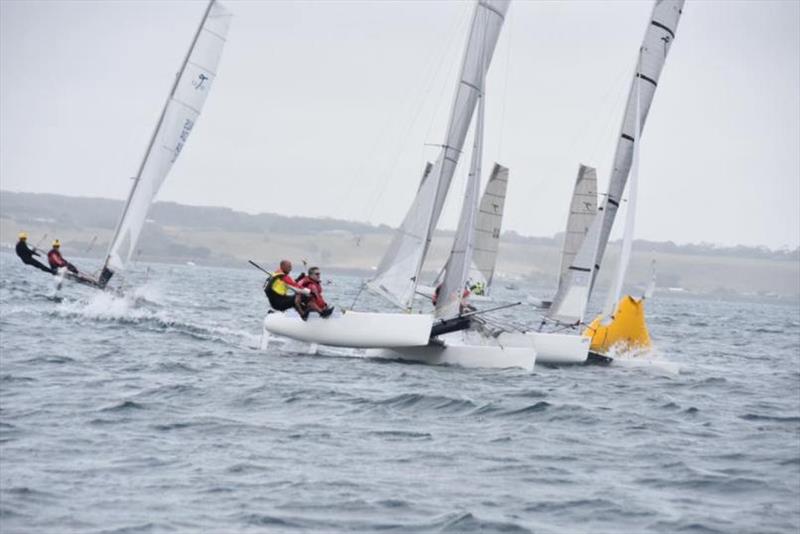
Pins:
<point x="280" y="302"/>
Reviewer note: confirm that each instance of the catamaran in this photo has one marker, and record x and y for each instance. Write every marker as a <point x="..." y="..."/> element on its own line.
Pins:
<point x="421" y="336"/>
<point x="178" y="117"/>
<point x="577" y="281"/>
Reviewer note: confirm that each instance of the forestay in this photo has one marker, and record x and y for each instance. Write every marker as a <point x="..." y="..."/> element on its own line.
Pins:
<point x="398" y="271"/>
<point x="569" y="304"/>
<point x="178" y="118"/>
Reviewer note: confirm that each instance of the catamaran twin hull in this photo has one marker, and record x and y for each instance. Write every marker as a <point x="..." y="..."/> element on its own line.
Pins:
<point x="468" y="348"/>
<point x="406" y="337"/>
<point x="359" y="330"/>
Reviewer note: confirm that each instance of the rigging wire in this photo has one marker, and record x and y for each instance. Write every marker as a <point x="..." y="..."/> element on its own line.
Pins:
<point x="609" y="102"/>
<point x="389" y="118"/>
<point x="424" y="97"/>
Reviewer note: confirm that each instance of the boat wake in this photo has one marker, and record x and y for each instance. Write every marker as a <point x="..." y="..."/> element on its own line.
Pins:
<point x="647" y="359"/>
<point x="140" y="307"/>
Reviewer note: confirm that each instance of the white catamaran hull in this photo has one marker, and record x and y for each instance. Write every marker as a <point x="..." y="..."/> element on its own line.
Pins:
<point x="467" y="349"/>
<point x="354" y="329"/>
<point x="559" y="349"/>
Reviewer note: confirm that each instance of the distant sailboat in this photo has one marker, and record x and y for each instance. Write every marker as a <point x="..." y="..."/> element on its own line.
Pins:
<point x="559" y="348"/>
<point x="178" y="117"/>
<point x="487" y="232"/>
<point x="582" y="211"/>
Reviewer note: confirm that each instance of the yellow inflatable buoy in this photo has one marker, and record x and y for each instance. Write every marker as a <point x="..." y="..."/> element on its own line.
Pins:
<point x="627" y="330"/>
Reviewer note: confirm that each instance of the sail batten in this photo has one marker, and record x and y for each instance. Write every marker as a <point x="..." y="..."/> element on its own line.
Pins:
<point x="178" y="117"/>
<point x="582" y="211"/>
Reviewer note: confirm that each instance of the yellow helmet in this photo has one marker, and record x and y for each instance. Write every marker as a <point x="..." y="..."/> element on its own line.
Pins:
<point x="23" y="236"/>
<point x="56" y="243"/>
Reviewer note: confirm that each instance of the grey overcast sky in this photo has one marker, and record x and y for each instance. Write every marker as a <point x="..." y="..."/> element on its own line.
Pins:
<point x="325" y="108"/>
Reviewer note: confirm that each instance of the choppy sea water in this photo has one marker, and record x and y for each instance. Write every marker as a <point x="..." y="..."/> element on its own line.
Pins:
<point x="156" y="412"/>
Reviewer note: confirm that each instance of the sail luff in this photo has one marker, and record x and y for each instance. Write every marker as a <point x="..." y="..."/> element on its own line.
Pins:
<point x="186" y="108"/>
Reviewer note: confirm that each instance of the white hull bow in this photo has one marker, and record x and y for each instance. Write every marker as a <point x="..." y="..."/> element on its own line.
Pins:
<point x="354" y="329"/>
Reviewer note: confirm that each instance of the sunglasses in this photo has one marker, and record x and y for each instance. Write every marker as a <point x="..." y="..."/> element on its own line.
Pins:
<point x="315" y="273"/>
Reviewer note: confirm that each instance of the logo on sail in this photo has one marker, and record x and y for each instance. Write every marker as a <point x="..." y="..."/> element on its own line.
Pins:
<point x="182" y="137"/>
<point x="666" y="40"/>
<point x="198" y="83"/>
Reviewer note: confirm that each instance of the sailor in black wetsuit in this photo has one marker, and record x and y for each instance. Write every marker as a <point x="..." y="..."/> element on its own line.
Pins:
<point x="26" y="254"/>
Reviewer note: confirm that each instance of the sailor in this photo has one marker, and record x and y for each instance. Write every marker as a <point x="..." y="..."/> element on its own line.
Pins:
<point x="26" y="254"/>
<point x="57" y="261"/>
<point x="277" y="289"/>
<point x="314" y="301"/>
<point x="478" y="288"/>
<point x="464" y="306"/>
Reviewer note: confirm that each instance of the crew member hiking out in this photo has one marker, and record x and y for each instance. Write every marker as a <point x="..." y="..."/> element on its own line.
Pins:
<point x="27" y="254"/>
<point x="314" y="301"/>
<point x="57" y="261"/>
<point x="277" y="289"/>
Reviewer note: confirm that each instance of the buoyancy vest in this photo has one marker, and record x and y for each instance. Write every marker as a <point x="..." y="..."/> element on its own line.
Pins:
<point x="277" y="284"/>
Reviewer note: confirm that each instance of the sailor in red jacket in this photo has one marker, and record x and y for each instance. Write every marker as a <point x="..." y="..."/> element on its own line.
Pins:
<point x="56" y="260"/>
<point x="315" y="302"/>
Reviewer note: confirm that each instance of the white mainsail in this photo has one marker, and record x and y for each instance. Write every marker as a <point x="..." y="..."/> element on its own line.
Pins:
<point x="569" y="304"/>
<point x="487" y="233"/>
<point x="180" y="113"/>
<point x="582" y="211"/>
<point x="457" y="268"/>
<point x="398" y="271"/>
<point x="488" y="226"/>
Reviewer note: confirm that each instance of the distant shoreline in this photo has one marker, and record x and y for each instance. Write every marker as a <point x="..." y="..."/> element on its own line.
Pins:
<point x="213" y="236"/>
